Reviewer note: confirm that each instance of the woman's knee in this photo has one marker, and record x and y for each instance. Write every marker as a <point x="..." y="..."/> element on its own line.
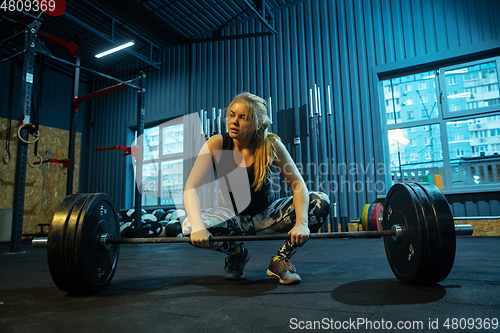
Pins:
<point x="319" y="205"/>
<point x="319" y="200"/>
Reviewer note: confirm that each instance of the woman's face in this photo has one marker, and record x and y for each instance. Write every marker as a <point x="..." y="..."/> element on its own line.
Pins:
<point x="238" y="123"/>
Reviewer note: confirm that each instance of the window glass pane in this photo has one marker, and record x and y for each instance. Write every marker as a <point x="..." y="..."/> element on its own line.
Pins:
<point x="172" y="182"/>
<point x="472" y="87"/>
<point x="150" y="184"/>
<point x="151" y="143"/>
<point x="475" y="150"/>
<point x="415" y="152"/>
<point x="410" y="98"/>
<point x="173" y="139"/>
<point x="170" y="185"/>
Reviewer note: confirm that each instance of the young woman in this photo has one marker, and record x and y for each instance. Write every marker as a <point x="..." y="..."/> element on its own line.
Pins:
<point x="249" y="144"/>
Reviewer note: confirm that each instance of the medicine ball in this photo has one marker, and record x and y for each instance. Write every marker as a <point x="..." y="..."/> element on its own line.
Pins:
<point x="158" y="213"/>
<point x="173" y="229"/>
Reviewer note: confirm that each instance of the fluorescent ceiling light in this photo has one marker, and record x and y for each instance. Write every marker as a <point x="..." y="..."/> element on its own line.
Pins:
<point x="118" y="48"/>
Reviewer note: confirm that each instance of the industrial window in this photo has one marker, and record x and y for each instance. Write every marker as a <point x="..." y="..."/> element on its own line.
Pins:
<point x="449" y="125"/>
<point x="162" y="173"/>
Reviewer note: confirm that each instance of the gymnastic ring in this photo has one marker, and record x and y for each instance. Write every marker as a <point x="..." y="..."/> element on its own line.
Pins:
<point x="6" y="157"/>
<point x="32" y="164"/>
<point x="25" y="141"/>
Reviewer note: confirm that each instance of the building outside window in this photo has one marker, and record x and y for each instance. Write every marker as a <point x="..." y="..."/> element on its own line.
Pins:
<point x="163" y="165"/>
<point x="460" y="131"/>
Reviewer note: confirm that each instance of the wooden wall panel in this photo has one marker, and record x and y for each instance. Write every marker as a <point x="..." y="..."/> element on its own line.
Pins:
<point x="45" y="186"/>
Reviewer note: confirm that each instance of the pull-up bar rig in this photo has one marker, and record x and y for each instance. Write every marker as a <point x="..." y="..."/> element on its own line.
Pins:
<point x="30" y="33"/>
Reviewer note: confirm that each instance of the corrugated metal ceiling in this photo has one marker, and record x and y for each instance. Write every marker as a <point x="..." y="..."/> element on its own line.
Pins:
<point x="153" y="24"/>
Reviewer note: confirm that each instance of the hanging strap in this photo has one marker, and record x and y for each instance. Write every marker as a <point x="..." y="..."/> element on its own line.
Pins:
<point x="35" y="111"/>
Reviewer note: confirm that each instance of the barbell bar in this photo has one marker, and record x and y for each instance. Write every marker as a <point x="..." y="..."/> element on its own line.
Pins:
<point x="417" y="227"/>
<point x="396" y="231"/>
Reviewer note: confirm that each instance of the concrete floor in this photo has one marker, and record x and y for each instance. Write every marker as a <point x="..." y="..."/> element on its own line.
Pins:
<point x="178" y="288"/>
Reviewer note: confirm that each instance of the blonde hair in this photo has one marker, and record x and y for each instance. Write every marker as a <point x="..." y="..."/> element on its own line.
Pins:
<point x="265" y="151"/>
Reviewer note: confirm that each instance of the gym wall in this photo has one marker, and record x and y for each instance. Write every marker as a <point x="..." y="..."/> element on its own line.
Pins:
<point x="323" y="42"/>
<point x="336" y="43"/>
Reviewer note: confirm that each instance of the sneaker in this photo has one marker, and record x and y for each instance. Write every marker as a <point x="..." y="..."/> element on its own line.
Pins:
<point x="282" y="268"/>
<point x="235" y="265"/>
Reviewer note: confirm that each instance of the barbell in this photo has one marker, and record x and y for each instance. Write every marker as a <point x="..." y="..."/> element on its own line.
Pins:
<point x="418" y="230"/>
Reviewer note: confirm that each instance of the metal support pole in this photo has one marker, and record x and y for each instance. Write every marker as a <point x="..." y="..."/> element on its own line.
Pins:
<point x="332" y="158"/>
<point x="322" y="156"/>
<point x="141" y="112"/>
<point x="313" y="145"/>
<point x="72" y="131"/>
<point x="22" y="147"/>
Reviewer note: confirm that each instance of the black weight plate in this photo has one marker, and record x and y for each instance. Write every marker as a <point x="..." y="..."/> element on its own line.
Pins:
<point x="71" y="262"/>
<point x="405" y="253"/>
<point x="56" y="252"/>
<point x="429" y="258"/>
<point x="96" y="264"/>
<point x="446" y="237"/>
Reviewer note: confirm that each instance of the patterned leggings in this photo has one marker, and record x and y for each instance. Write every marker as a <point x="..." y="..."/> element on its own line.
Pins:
<point x="279" y="217"/>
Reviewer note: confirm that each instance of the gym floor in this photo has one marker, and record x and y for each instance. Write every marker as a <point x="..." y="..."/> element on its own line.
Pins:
<point x="178" y="288"/>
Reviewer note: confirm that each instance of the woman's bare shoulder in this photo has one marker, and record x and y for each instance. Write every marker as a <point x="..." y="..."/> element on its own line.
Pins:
<point x="215" y="142"/>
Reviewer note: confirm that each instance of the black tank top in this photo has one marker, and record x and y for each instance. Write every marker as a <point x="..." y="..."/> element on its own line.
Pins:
<point x="260" y="199"/>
